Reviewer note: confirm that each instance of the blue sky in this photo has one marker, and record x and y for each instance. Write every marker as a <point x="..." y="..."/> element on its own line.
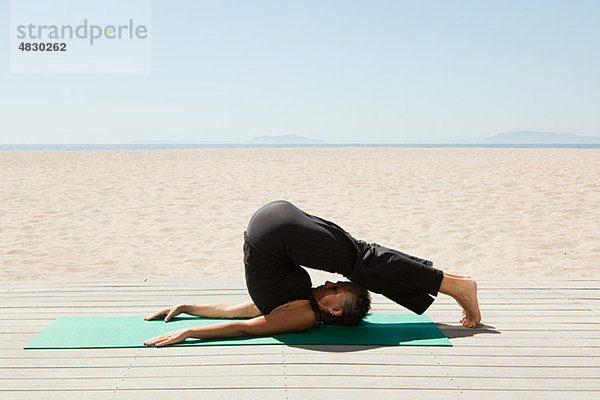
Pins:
<point x="341" y="71"/>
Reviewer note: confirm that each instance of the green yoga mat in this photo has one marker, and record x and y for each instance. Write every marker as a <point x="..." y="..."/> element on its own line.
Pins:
<point x="104" y="332"/>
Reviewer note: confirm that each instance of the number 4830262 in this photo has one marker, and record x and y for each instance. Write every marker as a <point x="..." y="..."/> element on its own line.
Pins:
<point x="43" y="46"/>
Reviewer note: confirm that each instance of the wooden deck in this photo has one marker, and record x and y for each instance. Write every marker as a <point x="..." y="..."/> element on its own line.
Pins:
<point x="540" y="341"/>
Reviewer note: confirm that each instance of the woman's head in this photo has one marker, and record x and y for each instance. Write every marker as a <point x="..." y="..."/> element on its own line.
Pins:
<point x="343" y="303"/>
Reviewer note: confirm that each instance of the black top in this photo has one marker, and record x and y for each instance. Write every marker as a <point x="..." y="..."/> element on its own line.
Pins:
<point x="273" y="281"/>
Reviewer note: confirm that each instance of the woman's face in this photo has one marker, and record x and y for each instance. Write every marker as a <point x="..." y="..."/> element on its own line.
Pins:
<point x="333" y="294"/>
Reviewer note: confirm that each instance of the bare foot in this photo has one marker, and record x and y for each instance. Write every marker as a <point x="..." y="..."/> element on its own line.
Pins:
<point x="464" y="291"/>
<point x="466" y="297"/>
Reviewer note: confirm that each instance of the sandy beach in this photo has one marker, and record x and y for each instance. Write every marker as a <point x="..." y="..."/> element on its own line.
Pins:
<point x="492" y="213"/>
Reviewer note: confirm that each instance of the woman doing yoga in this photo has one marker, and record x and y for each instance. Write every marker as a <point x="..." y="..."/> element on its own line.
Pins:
<point x="279" y="240"/>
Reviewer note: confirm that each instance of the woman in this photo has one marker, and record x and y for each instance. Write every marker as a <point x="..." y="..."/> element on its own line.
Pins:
<point x="280" y="239"/>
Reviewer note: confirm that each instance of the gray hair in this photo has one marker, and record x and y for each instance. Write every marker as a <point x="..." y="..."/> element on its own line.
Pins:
<point x="355" y="307"/>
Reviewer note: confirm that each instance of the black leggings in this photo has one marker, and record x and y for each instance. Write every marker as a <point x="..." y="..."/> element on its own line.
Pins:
<point x="288" y="233"/>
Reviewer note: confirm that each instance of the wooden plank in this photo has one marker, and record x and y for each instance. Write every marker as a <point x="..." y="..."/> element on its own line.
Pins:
<point x="149" y="352"/>
<point x="449" y="317"/>
<point x="526" y="342"/>
<point x="149" y="394"/>
<point x="116" y="292"/>
<point x="99" y="296"/>
<point x="323" y="358"/>
<point x="568" y="284"/>
<point x="184" y="288"/>
<point x="50" y="309"/>
<point x="104" y="296"/>
<point x="165" y="382"/>
<point x="442" y="370"/>
<point x="556" y="303"/>
<point x="298" y="394"/>
<point x="449" y="310"/>
<point x="168" y="298"/>
<point x="427" y="393"/>
<point x="523" y="302"/>
<point x="59" y="297"/>
<point x="305" y="370"/>
<point x="486" y="360"/>
<point x="200" y="359"/>
<point x="215" y="289"/>
<point x="587" y="320"/>
<point x="328" y="382"/>
<point x="489" y="314"/>
<point x="312" y="381"/>
<point x="193" y="371"/>
<point x="200" y="288"/>
<point x="443" y="383"/>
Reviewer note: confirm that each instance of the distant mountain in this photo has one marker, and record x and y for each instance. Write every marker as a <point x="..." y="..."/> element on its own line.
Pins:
<point x="282" y="139"/>
<point x="534" y="137"/>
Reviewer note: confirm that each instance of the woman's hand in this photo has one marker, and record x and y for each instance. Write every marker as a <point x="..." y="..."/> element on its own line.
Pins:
<point x="168" y="313"/>
<point x="169" y="338"/>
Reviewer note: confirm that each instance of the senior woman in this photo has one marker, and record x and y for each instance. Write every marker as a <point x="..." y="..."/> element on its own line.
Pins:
<point x="279" y="241"/>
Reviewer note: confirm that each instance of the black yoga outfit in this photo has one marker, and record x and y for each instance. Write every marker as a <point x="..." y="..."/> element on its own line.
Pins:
<point x="281" y="238"/>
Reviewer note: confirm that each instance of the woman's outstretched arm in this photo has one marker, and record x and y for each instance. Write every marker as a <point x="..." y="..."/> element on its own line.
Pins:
<point x="213" y="310"/>
<point x="285" y="320"/>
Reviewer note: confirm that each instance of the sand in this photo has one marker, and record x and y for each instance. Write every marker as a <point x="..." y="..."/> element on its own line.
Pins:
<point x="492" y="213"/>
